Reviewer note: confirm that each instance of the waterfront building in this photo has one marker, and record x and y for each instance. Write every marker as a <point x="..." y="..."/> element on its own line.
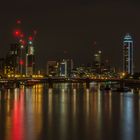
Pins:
<point x="128" y="54"/>
<point x="30" y="59"/>
<point x="2" y="60"/>
<point x="21" y="58"/>
<point x="52" y="68"/>
<point x="12" y="60"/>
<point x="97" y="62"/>
<point x="65" y="67"/>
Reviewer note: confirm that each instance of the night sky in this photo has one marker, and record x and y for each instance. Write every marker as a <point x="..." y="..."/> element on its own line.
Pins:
<point x="71" y="28"/>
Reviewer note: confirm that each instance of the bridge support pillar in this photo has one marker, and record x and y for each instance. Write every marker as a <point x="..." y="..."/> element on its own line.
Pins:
<point x="87" y="83"/>
<point x="122" y="84"/>
<point x="50" y="83"/>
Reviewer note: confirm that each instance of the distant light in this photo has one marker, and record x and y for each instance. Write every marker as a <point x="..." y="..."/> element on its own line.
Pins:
<point x="22" y="46"/>
<point x="21" y="62"/>
<point x="30" y="38"/>
<point x="95" y="43"/>
<point x="35" y="32"/>
<point x="23" y="42"/>
<point x="17" y="33"/>
<point x="30" y="42"/>
<point x="22" y="35"/>
<point x="18" y="21"/>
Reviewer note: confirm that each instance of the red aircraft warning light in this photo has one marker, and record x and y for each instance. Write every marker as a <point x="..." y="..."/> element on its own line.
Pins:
<point x="18" y="21"/>
<point x="23" y="42"/>
<point x="17" y="33"/>
<point x="21" y="35"/>
<point x="30" y="38"/>
<point x="21" y="62"/>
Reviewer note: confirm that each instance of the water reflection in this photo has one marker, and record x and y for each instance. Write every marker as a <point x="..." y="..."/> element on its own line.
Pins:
<point x="68" y="111"/>
<point x="17" y="116"/>
<point x="128" y="112"/>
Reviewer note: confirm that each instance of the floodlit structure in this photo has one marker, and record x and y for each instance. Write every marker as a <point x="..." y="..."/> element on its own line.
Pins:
<point x="66" y="66"/>
<point x="97" y="62"/>
<point x="30" y="59"/>
<point x="12" y="65"/>
<point x="52" y="68"/>
<point x="128" y="54"/>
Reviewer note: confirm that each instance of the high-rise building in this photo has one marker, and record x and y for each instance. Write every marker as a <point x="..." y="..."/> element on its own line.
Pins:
<point x="128" y="54"/>
<point x="12" y="60"/>
<point x="30" y="59"/>
<point x="21" y="59"/>
<point x="97" y="58"/>
<point x="2" y="60"/>
<point x="52" y="68"/>
<point x="97" y="62"/>
<point x="66" y="66"/>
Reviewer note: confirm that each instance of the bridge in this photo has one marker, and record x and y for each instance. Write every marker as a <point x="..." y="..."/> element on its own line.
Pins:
<point x="68" y="80"/>
<point x="52" y="80"/>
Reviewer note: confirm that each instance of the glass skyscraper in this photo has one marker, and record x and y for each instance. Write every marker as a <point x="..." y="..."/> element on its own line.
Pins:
<point x="128" y="54"/>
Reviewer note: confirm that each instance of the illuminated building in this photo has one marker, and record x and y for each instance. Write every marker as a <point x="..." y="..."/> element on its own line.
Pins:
<point x="12" y="60"/>
<point x="128" y="54"/>
<point x="63" y="68"/>
<point x="2" y="66"/>
<point x="30" y="59"/>
<point x="66" y="66"/>
<point x="97" y="62"/>
<point x="97" y="57"/>
<point x="52" y="68"/>
<point x="21" y="58"/>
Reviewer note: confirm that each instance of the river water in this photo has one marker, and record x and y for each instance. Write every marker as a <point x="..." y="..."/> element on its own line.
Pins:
<point x="69" y="112"/>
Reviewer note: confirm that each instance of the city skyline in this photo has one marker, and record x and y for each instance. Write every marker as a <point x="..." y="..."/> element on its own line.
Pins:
<point x="69" y="70"/>
<point x="65" y="55"/>
<point x="73" y="27"/>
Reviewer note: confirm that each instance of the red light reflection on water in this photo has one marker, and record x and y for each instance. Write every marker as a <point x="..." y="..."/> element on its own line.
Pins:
<point x="17" y="130"/>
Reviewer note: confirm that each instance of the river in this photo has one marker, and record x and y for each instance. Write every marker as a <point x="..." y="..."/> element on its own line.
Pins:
<point x="69" y="112"/>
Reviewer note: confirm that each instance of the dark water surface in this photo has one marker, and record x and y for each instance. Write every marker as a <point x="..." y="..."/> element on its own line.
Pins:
<point x="69" y="112"/>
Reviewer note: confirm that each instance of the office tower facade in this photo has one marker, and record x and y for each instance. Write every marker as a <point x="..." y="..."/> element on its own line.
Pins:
<point x="128" y="54"/>
<point x="21" y="59"/>
<point x="2" y="61"/>
<point x="12" y="60"/>
<point x="52" y="68"/>
<point x="97" y="61"/>
<point x="30" y="59"/>
<point x="97" y="58"/>
<point x="66" y="66"/>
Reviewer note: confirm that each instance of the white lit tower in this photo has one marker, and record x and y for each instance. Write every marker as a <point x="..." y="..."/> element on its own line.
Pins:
<point x="128" y="54"/>
<point x="30" y="57"/>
